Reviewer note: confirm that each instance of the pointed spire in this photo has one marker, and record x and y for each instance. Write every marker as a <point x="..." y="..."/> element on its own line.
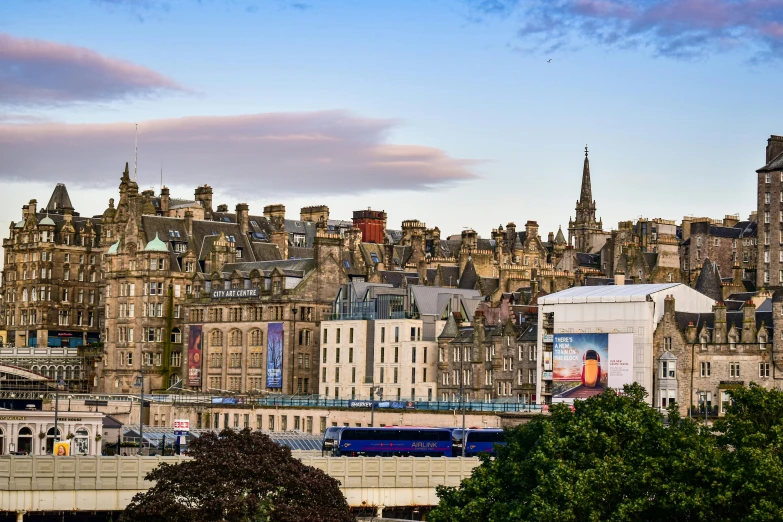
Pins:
<point x="126" y="173"/>
<point x="451" y="329"/>
<point x="586" y="196"/>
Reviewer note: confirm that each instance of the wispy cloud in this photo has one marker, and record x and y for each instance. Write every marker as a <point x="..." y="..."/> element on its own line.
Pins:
<point x="36" y="72"/>
<point x="333" y="152"/>
<point x="671" y="28"/>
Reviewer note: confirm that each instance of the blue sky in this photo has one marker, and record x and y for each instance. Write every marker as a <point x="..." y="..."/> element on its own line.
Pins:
<point x="444" y="111"/>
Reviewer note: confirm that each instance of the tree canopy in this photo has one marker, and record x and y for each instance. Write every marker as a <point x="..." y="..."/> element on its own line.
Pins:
<point x="613" y="458"/>
<point x="239" y="477"/>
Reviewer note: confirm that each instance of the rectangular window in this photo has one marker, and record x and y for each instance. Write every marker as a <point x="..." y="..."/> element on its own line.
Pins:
<point x="350" y="355"/>
<point x="350" y="335"/>
<point x="734" y="370"/>
<point x="337" y="355"/>
<point x="383" y="334"/>
<point x="763" y="370"/>
<point x="705" y="369"/>
<point x="413" y="354"/>
<point x="337" y="340"/>
<point x="382" y="354"/>
<point x="396" y="354"/>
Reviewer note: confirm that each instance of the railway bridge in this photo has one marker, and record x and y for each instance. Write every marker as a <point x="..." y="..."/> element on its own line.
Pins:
<point x="46" y="484"/>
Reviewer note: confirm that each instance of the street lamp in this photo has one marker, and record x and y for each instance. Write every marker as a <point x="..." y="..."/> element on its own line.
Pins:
<point x="294" y="310"/>
<point x="703" y="395"/>
<point x="69" y="402"/>
<point x="58" y="383"/>
<point x="462" y="395"/>
<point x="140" y="384"/>
<point x="373" y="391"/>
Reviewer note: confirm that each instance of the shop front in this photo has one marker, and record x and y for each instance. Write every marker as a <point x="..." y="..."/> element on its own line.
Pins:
<point x="33" y="432"/>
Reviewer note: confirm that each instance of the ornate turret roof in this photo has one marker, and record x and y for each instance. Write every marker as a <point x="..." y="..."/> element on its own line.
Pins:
<point x="114" y="248"/>
<point x="450" y="330"/>
<point x="47" y="221"/>
<point x="156" y="245"/>
<point x="560" y="238"/>
<point x="59" y="200"/>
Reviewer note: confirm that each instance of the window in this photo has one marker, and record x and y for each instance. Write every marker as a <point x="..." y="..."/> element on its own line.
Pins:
<point x="413" y="354"/>
<point x="734" y="370"/>
<point x="767" y="177"/>
<point x="667" y="344"/>
<point x="176" y="359"/>
<point x="705" y="369"/>
<point x="763" y="370"/>
<point x="767" y="198"/>
<point x="383" y="334"/>
<point x="350" y="335"/>
<point x="396" y="354"/>
<point x="337" y="355"/>
<point x="668" y="369"/>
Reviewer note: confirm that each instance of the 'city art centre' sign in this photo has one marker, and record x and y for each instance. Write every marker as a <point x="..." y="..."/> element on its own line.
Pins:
<point x="235" y="293"/>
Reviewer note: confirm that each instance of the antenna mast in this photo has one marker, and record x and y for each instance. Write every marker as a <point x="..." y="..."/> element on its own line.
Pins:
<point x="136" y="153"/>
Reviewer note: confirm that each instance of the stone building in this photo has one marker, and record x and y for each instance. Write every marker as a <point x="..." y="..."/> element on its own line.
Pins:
<point x="700" y="356"/>
<point x="52" y="276"/>
<point x="726" y="243"/>
<point x="224" y="277"/>
<point x="770" y="216"/>
<point x="487" y="361"/>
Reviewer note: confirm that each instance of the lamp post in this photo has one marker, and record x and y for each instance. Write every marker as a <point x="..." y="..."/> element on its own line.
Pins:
<point x="373" y="391"/>
<point x="69" y="402"/>
<point x="57" y="383"/>
<point x="294" y="310"/>
<point x="462" y="395"/>
<point x="140" y="384"/>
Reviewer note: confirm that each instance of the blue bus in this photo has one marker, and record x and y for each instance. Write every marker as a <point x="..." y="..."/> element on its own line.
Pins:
<point x="387" y="442"/>
<point x="477" y="441"/>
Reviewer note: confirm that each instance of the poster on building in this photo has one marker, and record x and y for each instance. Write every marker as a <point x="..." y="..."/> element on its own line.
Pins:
<point x="274" y="359"/>
<point x="62" y="449"/>
<point x="620" y="360"/>
<point x="195" y="346"/>
<point x="586" y="364"/>
<point x="548" y="361"/>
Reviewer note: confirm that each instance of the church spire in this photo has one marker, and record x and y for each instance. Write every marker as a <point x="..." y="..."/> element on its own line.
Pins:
<point x="586" y="196"/>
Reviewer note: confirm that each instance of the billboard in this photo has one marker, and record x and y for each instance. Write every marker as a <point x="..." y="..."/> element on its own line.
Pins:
<point x="274" y="359"/>
<point x="195" y="345"/>
<point x="586" y="364"/>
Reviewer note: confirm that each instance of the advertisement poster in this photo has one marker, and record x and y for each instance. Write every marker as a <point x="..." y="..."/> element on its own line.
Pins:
<point x="586" y="364"/>
<point x="274" y="360"/>
<point x="195" y="345"/>
<point x="62" y="449"/>
<point x="620" y="360"/>
<point x="548" y="361"/>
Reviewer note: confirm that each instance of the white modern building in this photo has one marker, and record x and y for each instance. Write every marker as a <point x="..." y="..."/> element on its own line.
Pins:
<point x="625" y="309"/>
<point x="386" y="338"/>
<point x="389" y="354"/>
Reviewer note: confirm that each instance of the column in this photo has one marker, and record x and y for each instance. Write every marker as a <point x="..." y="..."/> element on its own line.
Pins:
<point x="20" y="515"/>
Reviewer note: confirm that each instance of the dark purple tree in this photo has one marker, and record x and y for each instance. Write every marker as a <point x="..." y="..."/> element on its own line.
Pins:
<point x="239" y="476"/>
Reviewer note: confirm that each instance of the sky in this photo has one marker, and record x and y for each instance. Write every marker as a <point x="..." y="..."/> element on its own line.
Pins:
<point x="459" y="113"/>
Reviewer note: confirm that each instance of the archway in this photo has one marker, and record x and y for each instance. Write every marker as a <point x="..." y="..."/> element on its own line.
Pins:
<point x="50" y="439"/>
<point x="24" y="441"/>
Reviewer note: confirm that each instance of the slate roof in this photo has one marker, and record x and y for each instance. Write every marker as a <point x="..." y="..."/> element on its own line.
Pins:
<point x="450" y="330"/>
<point x="530" y="334"/>
<point x="59" y="199"/>
<point x="591" y="260"/>
<point x="401" y="255"/>
<point x="288" y="266"/>
<point x="469" y="276"/>
<point x="396" y="277"/>
<point x="709" y="282"/>
<point x="265" y="251"/>
<point x="300" y="252"/>
<point x="489" y="285"/>
<point x="732" y="319"/>
<point x="775" y="164"/>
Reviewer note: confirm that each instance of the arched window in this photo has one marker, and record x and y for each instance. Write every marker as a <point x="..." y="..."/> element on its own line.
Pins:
<point x="173" y="380"/>
<point x="236" y="338"/>
<point x="216" y="338"/>
<point x="116" y="382"/>
<point x="256" y="338"/>
<point x="176" y="335"/>
<point x="81" y="442"/>
<point x="50" y="439"/>
<point x="24" y="295"/>
<point x="24" y="441"/>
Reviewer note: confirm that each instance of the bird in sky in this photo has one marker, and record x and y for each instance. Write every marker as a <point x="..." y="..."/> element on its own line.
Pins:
<point x="549" y="61"/>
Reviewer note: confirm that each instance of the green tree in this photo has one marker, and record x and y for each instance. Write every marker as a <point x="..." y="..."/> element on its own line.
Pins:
<point x="611" y="458"/>
<point x="751" y="437"/>
<point x="239" y="476"/>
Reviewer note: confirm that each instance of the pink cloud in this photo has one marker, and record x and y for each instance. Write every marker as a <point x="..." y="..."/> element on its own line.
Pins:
<point x="36" y="72"/>
<point x="304" y="153"/>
